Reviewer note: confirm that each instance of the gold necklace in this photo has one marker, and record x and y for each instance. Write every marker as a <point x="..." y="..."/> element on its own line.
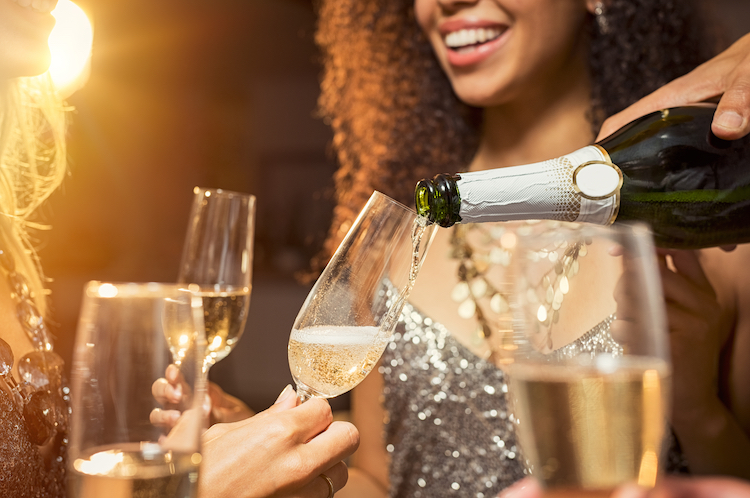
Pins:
<point x="474" y="287"/>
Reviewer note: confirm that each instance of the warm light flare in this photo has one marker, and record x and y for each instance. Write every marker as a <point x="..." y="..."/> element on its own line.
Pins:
<point x="100" y="463"/>
<point x="70" y="46"/>
<point x="107" y="290"/>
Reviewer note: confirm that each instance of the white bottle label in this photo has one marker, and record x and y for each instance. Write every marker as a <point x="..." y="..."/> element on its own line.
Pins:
<point x="581" y="186"/>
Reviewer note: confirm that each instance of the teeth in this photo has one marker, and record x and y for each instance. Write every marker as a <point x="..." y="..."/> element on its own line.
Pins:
<point x="466" y="37"/>
<point x="43" y="6"/>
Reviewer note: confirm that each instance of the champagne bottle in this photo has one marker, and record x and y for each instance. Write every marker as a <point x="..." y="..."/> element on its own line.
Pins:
<point x="666" y="169"/>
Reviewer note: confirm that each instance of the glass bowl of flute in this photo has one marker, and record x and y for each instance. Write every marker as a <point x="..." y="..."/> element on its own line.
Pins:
<point x="588" y="357"/>
<point x="352" y="309"/>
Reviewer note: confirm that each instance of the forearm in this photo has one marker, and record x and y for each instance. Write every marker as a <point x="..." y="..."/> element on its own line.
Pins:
<point x="713" y="441"/>
<point x="361" y="485"/>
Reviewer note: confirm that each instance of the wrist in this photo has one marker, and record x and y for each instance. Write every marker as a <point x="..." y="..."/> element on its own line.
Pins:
<point x="709" y="418"/>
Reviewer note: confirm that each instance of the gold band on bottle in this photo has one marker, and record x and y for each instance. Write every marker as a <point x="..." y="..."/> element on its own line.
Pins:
<point x="608" y="158"/>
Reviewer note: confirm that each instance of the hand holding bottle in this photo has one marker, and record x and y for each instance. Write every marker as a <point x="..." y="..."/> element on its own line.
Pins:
<point x="726" y="75"/>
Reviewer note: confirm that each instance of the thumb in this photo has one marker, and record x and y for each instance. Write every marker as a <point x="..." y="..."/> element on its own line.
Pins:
<point x="286" y="400"/>
<point x="525" y="488"/>
<point x="732" y="117"/>
<point x="731" y="120"/>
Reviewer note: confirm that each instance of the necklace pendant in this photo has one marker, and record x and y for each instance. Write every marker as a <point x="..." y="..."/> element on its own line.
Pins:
<point x="40" y="369"/>
<point x="6" y="372"/>
<point x="477" y="338"/>
<point x="499" y="304"/>
<point x="40" y="415"/>
<point x="466" y="309"/>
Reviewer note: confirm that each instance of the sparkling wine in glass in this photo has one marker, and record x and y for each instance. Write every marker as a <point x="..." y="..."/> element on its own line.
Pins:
<point x="120" y="351"/>
<point x="589" y="361"/>
<point x="349" y="315"/>
<point x="218" y="258"/>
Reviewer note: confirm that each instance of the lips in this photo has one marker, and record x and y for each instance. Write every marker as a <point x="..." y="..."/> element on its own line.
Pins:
<point x="469" y="42"/>
<point x="41" y="6"/>
<point x="32" y="19"/>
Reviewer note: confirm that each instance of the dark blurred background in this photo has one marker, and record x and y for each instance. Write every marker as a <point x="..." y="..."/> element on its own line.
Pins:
<point x="218" y="93"/>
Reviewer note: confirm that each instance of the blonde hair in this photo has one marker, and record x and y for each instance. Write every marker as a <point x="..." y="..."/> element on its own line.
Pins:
<point x="32" y="165"/>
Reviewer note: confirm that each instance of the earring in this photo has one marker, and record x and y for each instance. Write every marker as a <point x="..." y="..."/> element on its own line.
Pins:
<point x="601" y="19"/>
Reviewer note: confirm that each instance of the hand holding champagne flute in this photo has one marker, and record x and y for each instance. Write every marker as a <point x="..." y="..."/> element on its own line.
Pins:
<point x="589" y="362"/>
<point x="218" y="257"/>
<point x="349" y="315"/>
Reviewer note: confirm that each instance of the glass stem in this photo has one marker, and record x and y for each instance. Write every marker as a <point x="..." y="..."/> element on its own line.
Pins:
<point x="207" y="363"/>
<point x="303" y="394"/>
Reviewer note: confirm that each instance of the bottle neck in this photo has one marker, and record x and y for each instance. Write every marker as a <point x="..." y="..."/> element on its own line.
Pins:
<point x="557" y="189"/>
<point x="439" y="200"/>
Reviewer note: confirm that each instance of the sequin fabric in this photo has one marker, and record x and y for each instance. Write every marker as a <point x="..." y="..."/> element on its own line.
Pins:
<point x="595" y="341"/>
<point x="23" y="471"/>
<point x="449" y="430"/>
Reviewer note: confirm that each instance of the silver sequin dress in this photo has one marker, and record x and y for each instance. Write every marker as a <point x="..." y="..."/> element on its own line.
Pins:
<point x="449" y="430"/>
<point x="23" y="471"/>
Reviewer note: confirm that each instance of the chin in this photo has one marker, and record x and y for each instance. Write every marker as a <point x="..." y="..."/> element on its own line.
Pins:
<point x="478" y="97"/>
<point x="30" y="66"/>
<point x="481" y="91"/>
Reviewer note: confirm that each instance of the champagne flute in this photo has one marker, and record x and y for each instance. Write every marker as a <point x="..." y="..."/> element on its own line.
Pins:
<point x="120" y="351"/>
<point x="589" y="364"/>
<point x="350" y="313"/>
<point x="218" y="257"/>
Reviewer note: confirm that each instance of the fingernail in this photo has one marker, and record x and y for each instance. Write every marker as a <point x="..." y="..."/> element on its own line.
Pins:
<point x="629" y="491"/>
<point x="525" y="488"/>
<point x="285" y="394"/>
<point x="177" y="393"/>
<point x="616" y="250"/>
<point x="730" y="120"/>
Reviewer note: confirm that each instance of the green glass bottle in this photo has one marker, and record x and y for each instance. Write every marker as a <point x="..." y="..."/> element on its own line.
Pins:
<point x="666" y="169"/>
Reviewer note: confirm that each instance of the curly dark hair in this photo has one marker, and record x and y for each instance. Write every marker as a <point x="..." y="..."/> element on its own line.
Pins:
<point x="396" y="118"/>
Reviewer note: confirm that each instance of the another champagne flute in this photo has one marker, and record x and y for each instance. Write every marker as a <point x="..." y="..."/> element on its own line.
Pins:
<point x="351" y="311"/>
<point x="589" y="364"/>
<point x="120" y="351"/>
<point x="218" y="257"/>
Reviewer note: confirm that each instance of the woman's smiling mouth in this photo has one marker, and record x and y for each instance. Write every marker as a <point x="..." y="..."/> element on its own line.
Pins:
<point x="468" y="39"/>
<point x="469" y="43"/>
